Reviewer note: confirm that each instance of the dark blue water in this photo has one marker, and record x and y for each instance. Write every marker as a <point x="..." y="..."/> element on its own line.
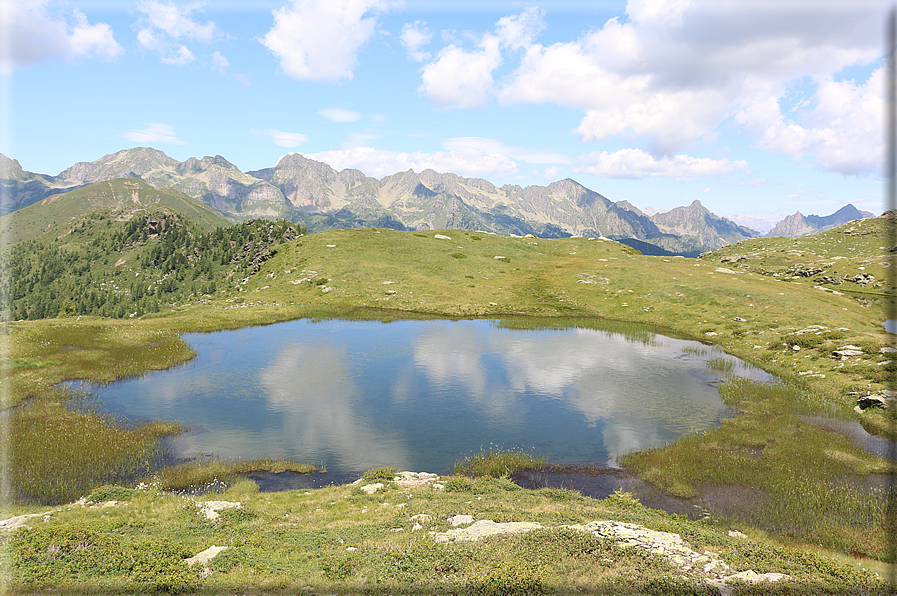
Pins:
<point x="418" y="395"/>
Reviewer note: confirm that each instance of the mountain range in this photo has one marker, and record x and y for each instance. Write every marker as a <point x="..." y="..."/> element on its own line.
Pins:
<point x="314" y="194"/>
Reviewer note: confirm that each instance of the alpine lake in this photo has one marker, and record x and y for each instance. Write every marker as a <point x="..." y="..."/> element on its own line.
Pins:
<point x="348" y="396"/>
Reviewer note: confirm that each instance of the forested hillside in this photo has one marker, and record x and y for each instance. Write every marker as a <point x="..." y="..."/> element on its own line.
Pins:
<point x="129" y="262"/>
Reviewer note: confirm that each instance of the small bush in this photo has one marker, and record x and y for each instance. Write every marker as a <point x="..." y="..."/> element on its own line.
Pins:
<point x="458" y="484"/>
<point x="337" y="567"/>
<point x="509" y="579"/>
<point x="623" y="499"/>
<point x="111" y="493"/>
<point x="459" y="255"/>
<point x="384" y="474"/>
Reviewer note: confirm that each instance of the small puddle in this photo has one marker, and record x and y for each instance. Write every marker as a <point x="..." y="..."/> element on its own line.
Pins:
<point x="856" y="433"/>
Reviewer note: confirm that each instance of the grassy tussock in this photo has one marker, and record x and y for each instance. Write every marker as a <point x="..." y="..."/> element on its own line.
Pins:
<point x="499" y="462"/>
<point x="215" y="473"/>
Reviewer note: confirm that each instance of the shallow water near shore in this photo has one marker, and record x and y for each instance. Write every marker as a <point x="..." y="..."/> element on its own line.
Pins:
<point x="419" y="395"/>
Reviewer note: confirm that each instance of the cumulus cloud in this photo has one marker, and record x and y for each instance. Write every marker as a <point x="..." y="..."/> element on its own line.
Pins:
<point x="284" y="139"/>
<point x="635" y="164"/>
<point x="842" y="130"/>
<point x="320" y="39"/>
<point x="339" y="114"/>
<point x="31" y="35"/>
<point x="164" y="25"/>
<point x="492" y="146"/>
<point x="154" y="133"/>
<point x="414" y="37"/>
<point x="677" y="69"/>
<point x="461" y="78"/>
<point x="380" y="162"/>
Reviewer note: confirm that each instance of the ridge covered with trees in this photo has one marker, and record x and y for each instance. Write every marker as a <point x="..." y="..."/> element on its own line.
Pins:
<point x="129" y="262"/>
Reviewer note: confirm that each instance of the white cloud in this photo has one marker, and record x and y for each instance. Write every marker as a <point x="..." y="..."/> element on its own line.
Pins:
<point x="281" y="138"/>
<point x="339" y="114"/>
<point x="677" y="69"/>
<point x="380" y="162"/>
<point x="519" y="31"/>
<point x="552" y="172"/>
<point x="461" y="78"/>
<point x="635" y="164"/>
<point x="414" y="37"/>
<point x="153" y="133"/>
<point x="320" y="39"/>
<point x="31" y="35"/>
<point x="163" y="26"/>
<point x="219" y="62"/>
<point x="842" y="131"/>
<point x="493" y="146"/>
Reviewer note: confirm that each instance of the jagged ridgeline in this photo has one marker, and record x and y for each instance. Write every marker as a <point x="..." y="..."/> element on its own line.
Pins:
<point x="132" y="261"/>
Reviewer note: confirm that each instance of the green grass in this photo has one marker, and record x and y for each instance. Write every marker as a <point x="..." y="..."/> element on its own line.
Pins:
<point x="215" y="472"/>
<point x="499" y="462"/>
<point x="296" y="542"/>
<point x="782" y="474"/>
<point x="56" y="449"/>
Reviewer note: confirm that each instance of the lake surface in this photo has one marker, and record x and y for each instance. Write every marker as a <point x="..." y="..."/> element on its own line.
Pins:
<point x="419" y="395"/>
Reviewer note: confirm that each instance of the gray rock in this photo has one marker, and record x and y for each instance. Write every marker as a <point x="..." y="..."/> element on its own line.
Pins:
<point x="372" y="488"/>
<point x="460" y="520"/>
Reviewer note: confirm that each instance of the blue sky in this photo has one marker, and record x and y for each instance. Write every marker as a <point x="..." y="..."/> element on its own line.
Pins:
<point x="754" y="107"/>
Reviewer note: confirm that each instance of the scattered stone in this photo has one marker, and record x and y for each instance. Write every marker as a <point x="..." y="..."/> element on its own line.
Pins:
<point x="372" y="488"/>
<point x="211" y="508"/>
<point x="736" y="534"/>
<point x="415" y="479"/>
<point x="710" y="333"/>
<point x="330" y="245"/>
<point x="887" y="350"/>
<point x="847" y="351"/>
<point x="460" y="520"/>
<point x="872" y="401"/>
<point x="442" y="237"/>
<point x="733" y="259"/>
<point x="205" y="556"/>
<point x="724" y="270"/>
<point x="18" y="521"/>
<point x="351" y="549"/>
<point x="740" y="320"/>
<point x="483" y="529"/>
<point x="795" y="348"/>
<point x="416" y="527"/>
<point x="864" y="279"/>
<point x="421" y="517"/>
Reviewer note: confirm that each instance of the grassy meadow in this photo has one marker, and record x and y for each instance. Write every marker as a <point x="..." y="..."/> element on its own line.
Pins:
<point x="794" y="486"/>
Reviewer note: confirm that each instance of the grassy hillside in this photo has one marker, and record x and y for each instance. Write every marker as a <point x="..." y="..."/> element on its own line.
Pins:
<point x="801" y="483"/>
<point x="40" y="217"/>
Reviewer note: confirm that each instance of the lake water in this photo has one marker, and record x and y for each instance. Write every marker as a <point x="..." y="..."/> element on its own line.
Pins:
<point x="419" y="395"/>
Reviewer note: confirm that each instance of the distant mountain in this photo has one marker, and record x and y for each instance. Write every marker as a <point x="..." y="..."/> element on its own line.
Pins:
<point x="39" y="217"/>
<point x="798" y="225"/>
<point x="760" y="224"/>
<point x="314" y="194"/>
<point x="706" y="230"/>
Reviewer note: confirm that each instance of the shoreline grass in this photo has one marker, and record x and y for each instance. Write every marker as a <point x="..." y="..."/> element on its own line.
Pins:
<point x="748" y="314"/>
<point x="499" y="462"/>
<point x="215" y="473"/>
